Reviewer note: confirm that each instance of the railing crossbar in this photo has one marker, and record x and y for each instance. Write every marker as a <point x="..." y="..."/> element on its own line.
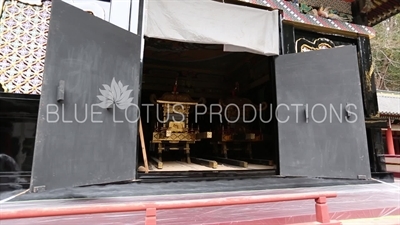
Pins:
<point x="322" y="214"/>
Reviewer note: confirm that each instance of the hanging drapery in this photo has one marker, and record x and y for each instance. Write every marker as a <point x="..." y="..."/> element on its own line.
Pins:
<point x="238" y="28"/>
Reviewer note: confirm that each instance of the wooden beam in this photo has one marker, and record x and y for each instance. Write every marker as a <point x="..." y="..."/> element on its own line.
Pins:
<point x="157" y="162"/>
<point x="164" y="88"/>
<point x="142" y="143"/>
<point x="195" y="83"/>
<point x="393" y="129"/>
<point x="204" y="135"/>
<point x="180" y="68"/>
<point x="250" y="136"/>
<point x="232" y="162"/>
<point x="315" y="28"/>
<point x="260" y="161"/>
<point x="376" y="122"/>
<point x="158" y="74"/>
<point x="151" y="165"/>
<point x="204" y="162"/>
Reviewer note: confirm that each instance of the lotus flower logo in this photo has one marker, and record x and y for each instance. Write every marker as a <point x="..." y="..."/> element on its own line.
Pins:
<point x="115" y="94"/>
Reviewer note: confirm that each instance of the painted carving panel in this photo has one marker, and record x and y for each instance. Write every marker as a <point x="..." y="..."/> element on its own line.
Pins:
<point x="304" y="45"/>
<point x="341" y="6"/>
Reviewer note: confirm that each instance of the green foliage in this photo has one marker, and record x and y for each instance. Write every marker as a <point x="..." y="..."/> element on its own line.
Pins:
<point x="386" y="54"/>
<point x="304" y="8"/>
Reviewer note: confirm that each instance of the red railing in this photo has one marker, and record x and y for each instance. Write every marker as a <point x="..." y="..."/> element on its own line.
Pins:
<point x="321" y="207"/>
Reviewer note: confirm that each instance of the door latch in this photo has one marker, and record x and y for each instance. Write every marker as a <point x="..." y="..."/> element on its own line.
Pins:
<point x="306" y="114"/>
<point x="61" y="91"/>
<point x="347" y="110"/>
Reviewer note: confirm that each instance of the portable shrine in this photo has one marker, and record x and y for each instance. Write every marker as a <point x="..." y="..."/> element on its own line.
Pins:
<point x="236" y="133"/>
<point x="173" y="132"/>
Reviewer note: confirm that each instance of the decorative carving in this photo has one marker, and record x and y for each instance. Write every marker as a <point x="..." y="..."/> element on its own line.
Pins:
<point x="304" y="45"/>
<point x="337" y="5"/>
<point x="336" y="10"/>
<point x="369" y="5"/>
<point x="328" y="13"/>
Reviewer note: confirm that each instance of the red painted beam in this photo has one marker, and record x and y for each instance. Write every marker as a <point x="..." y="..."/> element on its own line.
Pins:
<point x="148" y="206"/>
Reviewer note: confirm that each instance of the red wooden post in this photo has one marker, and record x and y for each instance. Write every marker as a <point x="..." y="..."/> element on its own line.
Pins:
<point x="389" y="141"/>
<point x="151" y="216"/>
<point x="321" y="210"/>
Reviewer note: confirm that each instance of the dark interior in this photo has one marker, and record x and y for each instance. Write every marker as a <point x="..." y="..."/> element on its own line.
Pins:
<point x="18" y="117"/>
<point x="206" y="71"/>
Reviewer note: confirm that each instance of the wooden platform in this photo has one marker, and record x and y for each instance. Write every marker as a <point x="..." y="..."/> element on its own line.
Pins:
<point x="393" y="164"/>
<point x="171" y="166"/>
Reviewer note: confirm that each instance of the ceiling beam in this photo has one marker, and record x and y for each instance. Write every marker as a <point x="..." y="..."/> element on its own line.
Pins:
<point x="180" y="68"/>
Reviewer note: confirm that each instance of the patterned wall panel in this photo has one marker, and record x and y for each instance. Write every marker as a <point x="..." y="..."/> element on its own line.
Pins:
<point x="23" y="39"/>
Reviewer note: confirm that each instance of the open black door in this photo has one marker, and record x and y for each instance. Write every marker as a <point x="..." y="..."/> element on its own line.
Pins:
<point x="320" y="116"/>
<point x="87" y="128"/>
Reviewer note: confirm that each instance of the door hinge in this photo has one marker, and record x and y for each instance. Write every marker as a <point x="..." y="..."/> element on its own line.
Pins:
<point x="362" y="177"/>
<point x="38" y="189"/>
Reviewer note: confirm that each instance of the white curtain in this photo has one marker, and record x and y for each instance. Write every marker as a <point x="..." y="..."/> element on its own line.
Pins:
<point x="238" y="28"/>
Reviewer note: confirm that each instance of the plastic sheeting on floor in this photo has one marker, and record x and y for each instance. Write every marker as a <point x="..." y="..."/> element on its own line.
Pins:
<point x="352" y="202"/>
